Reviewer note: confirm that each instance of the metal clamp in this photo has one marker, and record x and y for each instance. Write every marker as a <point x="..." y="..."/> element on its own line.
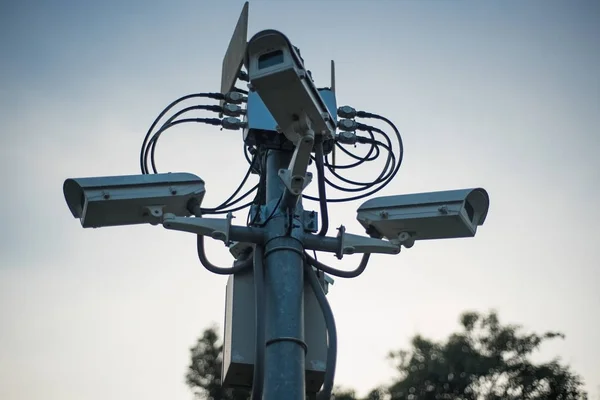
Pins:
<point x="351" y="244"/>
<point x="216" y="228"/>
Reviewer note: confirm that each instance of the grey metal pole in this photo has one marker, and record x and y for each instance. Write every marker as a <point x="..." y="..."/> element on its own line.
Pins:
<point x="284" y="284"/>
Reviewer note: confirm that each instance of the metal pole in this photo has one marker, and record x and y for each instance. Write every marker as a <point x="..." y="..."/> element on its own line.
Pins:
<point x="284" y="283"/>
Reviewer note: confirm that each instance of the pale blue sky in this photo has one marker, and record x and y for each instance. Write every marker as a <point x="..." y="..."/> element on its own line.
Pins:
<point x="499" y="94"/>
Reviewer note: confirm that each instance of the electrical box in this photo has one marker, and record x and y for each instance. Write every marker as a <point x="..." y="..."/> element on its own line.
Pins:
<point x="262" y="128"/>
<point x="239" y="337"/>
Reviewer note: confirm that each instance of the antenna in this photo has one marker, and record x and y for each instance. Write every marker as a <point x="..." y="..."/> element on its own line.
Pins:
<point x="234" y="56"/>
<point x="333" y="90"/>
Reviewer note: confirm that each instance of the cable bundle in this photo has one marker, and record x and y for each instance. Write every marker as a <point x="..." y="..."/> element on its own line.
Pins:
<point x="151" y="139"/>
<point x="256" y="158"/>
<point x="359" y="190"/>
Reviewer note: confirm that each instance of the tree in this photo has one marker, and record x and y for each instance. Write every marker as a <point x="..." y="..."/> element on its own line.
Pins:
<point x="484" y="361"/>
<point x="204" y="371"/>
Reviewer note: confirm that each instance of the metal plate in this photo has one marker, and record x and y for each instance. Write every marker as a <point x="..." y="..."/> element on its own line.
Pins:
<point x="234" y="56"/>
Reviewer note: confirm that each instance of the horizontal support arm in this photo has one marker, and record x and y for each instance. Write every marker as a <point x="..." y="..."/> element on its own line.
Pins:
<point x="217" y="228"/>
<point x="347" y="243"/>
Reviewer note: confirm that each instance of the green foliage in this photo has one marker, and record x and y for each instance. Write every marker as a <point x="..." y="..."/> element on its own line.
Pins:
<point x="485" y="360"/>
<point x="204" y="371"/>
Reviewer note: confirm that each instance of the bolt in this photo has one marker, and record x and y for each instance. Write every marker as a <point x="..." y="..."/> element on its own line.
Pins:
<point x="106" y="196"/>
<point x="384" y="214"/>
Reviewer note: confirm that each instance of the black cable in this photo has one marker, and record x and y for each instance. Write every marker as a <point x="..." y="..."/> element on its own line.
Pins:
<point x="319" y="161"/>
<point x="152" y="143"/>
<point x="325" y="393"/>
<point x="223" y="209"/>
<point x="357" y="197"/>
<point x="234" y="209"/>
<point x="262" y="188"/>
<point x="391" y="157"/>
<point x="337" y="272"/>
<point x="258" y="377"/>
<point x="368" y="157"/>
<point x="238" y="265"/>
<point x="227" y="203"/>
<point x="383" y="176"/>
<point x="364" y="114"/>
<point x="360" y="159"/>
<point x="216" y="96"/>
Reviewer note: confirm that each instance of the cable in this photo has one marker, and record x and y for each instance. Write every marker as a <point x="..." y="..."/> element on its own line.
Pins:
<point x="337" y="272"/>
<point x="222" y="209"/>
<point x="170" y="123"/>
<point x="383" y="176"/>
<point x="258" y="377"/>
<point x="237" y="265"/>
<point x="248" y="204"/>
<point x="229" y="201"/>
<point x="319" y="157"/>
<point x="216" y="96"/>
<point x="152" y="143"/>
<point x="364" y="114"/>
<point x="357" y="197"/>
<point x="360" y="159"/>
<point x="325" y="393"/>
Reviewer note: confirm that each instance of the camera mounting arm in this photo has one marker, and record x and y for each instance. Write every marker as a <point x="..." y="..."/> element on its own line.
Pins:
<point x="347" y="243"/>
<point x="216" y="228"/>
<point x="222" y="229"/>
<point x="295" y="178"/>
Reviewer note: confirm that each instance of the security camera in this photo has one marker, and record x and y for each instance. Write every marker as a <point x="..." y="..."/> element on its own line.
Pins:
<point x="131" y="199"/>
<point x="422" y="216"/>
<point x="277" y="73"/>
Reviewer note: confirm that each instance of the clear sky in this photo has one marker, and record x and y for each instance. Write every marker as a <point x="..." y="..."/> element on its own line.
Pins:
<point x="499" y="94"/>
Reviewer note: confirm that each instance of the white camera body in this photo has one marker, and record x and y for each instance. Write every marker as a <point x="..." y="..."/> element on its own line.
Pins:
<point x="423" y="216"/>
<point x="131" y="199"/>
<point x="276" y="72"/>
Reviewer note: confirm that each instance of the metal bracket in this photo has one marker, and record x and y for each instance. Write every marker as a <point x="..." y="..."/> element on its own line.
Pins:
<point x="295" y="178"/>
<point x="218" y="229"/>
<point x="404" y="239"/>
<point x="351" y="244"/>
<point x="295" y="183"/>
<point x="310" y="221"/>
<point x="154" y="214"/>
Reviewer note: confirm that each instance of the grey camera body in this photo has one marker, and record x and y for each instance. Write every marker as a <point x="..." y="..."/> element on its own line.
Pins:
<point x="131" y="199"/>
<point x="277" y="73"/>
<point x="434" y="215"/>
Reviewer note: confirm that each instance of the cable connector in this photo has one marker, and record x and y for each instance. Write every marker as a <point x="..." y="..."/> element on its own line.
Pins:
<point x="347" y="125"/>
<point x="364" y="114"/>
<point x="235" y="98"/>
<point x="232" y="123"/>
<point x="347" y="137"/>
<point x="233" y="110"/>
<point x="243" y="75"/>
<point x="346" y="112"/>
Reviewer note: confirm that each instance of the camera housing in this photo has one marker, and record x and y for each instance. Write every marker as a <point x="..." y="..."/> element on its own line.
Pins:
<point x="131" y="199"/>
<point x="423" y="216"/>
<point x="277" y="73"/>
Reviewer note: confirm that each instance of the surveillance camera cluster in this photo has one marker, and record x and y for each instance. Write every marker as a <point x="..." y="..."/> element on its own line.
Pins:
<point x="285" y="115"/>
